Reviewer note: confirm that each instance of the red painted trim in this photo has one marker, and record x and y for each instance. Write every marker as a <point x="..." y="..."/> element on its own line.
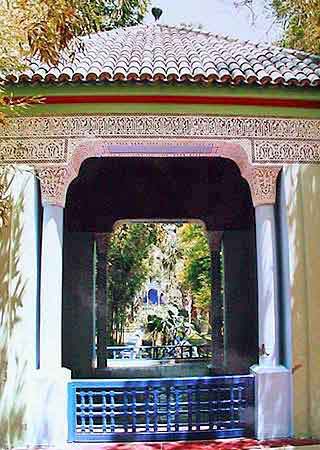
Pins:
<point x="180" y="100"/>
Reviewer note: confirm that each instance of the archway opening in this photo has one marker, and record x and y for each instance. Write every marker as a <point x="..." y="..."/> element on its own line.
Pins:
<point x="210" y="190"/>
<point x="158" y="301"/>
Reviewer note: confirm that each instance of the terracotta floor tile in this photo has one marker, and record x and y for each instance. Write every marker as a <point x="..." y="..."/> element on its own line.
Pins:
<point x="236" y="444"/>
<point x="226" y="444"/>
<point x="119" y="446"/>
<point x="289" y="441"/>
<point x="188" y="446"/>
<point x="210" y="445"/>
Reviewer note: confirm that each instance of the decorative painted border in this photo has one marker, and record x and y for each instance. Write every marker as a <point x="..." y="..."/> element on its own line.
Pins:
<point x="159" y="125"/>
<point x="55" y="179"/>
<point x="37" y="140"/>
<point x="57" y="146"/>
<point x="177" y="100"/>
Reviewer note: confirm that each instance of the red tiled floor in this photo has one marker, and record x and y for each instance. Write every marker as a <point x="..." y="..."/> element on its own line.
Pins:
<point x="119" y="446"/>
<point x="227" y="444"/>
<point x="289" y="441"/>
<point x="236" y="444"/>
<point x="230" y="444"/>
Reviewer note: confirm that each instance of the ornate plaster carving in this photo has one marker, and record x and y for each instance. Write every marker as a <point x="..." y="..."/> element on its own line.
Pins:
<point x="139" y="125"/>
<point x="33" y="151"/>
<point x="54" y="181"/>
<point x="39" y="140"/>
<point x="262" y="181"/>
<point x="56" y="146"/>
<point x="288" y="151"/>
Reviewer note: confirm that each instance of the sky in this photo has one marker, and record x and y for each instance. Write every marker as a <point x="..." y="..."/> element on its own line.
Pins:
<point x="218" y="16"/>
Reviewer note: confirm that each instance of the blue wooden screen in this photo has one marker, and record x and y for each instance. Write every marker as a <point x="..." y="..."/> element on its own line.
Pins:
<point x="161" y="409"/>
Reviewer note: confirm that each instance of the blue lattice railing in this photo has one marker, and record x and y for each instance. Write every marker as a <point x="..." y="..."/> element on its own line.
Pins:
<point x="161" y="409"/>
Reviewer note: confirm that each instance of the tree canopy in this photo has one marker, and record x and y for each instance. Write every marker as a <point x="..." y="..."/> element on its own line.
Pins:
<point x="301" y="23"/>
<point x="195" y="275"/>
<point x="46" y="28"/>
<point x="174" y="256"/>
<point x="299" y="20"/>
<point x="128" y="255"/>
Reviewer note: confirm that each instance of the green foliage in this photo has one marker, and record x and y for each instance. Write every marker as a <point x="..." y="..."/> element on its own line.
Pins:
<point x="166" y="324"/>
<point x="124" y="13"/>
<point x="195" y="273"/>
<point x="167" y="257"/>
<point x="177" y="257"/>
<point x="301" y="23"/>
<point x="299" y="19"/>
<point x="128" y="259"/>
<point x="46" y="28"/>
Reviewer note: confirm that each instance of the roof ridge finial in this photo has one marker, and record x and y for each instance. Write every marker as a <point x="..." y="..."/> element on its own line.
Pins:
<point x="157" y="13"/>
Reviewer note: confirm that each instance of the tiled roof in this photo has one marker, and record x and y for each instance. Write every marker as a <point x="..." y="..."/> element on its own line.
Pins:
<point x="162" y="53"/>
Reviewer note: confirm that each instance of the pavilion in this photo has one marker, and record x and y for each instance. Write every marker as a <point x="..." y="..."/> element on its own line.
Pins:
<point x="162" y="123"/>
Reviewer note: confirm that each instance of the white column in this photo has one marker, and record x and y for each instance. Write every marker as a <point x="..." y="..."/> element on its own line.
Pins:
<point x="48" y="400"/>
<point x="268" y="301"/>
<point x="272" y="381"/>
<point x="51" y="288"/>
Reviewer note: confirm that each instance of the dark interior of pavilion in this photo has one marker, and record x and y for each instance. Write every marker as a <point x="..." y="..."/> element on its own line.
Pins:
<point x="167" y="192"/>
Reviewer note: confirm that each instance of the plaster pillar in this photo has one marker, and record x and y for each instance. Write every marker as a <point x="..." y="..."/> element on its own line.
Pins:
<point x="49" y="426"/>
<point x="51" y="288"/>
<point x="272" y="381"/>
<point x="267" y="286"/>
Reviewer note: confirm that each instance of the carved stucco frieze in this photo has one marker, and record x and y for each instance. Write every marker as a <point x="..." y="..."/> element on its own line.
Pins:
<point x="33" y="151"/>
<point x="57" y="146"/>
<point x="166" y="125"/>
<point x="52" y="140"/>
<point x="54" y="181"/>
<point x="37" y="140"/>
<point x="288" y="151"/>
<point x="262" y="182"/>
